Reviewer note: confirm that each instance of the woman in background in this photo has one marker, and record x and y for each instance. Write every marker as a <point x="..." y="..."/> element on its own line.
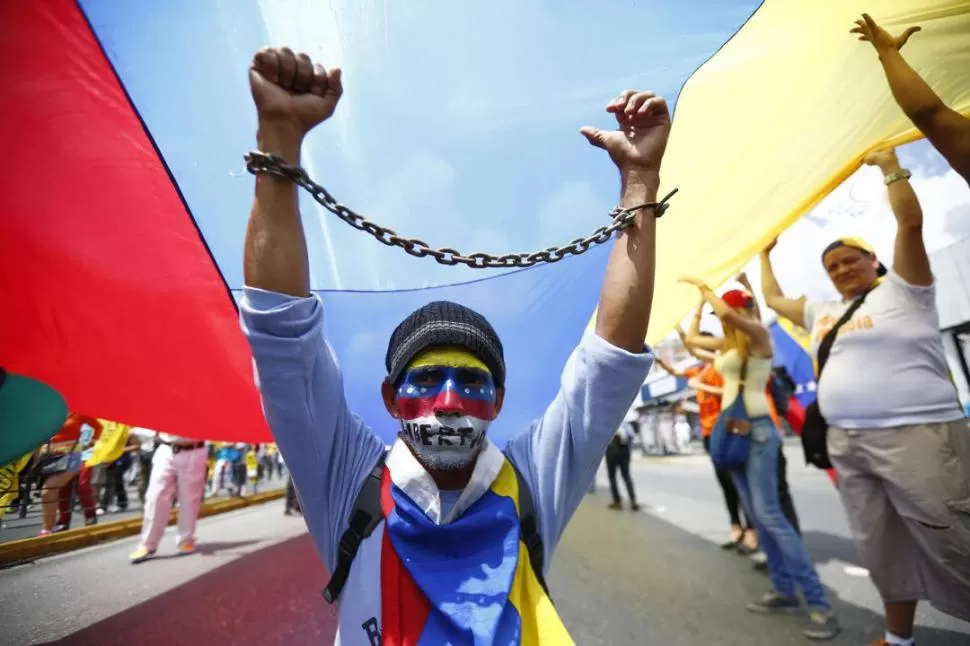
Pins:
<point x="746" y="347"/>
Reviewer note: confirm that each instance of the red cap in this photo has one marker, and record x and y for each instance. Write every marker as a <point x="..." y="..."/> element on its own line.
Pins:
<point x="738" y="298"/>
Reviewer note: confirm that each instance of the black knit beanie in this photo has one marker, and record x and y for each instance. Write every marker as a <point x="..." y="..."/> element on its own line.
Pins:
<point x="444" y="323"/>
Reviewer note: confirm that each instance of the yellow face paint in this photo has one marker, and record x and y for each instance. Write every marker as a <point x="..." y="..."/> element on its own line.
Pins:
<point x="449" y="356"/>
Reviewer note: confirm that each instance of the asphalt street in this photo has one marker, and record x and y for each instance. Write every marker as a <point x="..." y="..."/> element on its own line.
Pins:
<point x="619" y="577"/>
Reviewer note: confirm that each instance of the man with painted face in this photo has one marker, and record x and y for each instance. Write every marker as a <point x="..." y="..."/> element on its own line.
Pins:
<point x="446" y="562"/>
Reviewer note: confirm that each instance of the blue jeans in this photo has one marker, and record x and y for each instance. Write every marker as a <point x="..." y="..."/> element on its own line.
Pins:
<point x="788" y="560"/>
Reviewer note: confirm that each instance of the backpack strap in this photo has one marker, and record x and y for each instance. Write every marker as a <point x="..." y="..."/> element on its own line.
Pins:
<point x="364" y="517"/>
<point x="529" y="529"/>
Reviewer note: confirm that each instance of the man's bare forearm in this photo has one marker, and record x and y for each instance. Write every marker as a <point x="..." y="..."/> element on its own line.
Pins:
<point x="902" y="198"/>
<point x="769" y="284"/>
<point x="275" y="257"/>
<point x="912" y="93"/>
<point x="627" y="295"/>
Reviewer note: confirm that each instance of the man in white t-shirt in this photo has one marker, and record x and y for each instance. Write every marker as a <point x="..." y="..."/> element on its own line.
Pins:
<point x="897" y="436"/>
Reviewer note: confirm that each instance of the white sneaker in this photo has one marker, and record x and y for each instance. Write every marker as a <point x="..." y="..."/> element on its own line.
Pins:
<point x="760" y="560"/>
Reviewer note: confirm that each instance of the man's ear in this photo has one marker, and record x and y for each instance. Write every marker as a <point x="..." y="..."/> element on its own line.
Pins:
<point x="499" y="400"/>
<point x="390" y="398"/>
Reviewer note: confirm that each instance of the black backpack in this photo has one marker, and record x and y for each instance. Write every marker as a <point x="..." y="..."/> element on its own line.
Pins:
<point x="782" y="387"/>
<point x="367" y="514"/>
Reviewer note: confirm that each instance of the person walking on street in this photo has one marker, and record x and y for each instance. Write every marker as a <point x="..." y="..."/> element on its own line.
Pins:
<point x="618" y="459"/>
<point x="181" y="464"/>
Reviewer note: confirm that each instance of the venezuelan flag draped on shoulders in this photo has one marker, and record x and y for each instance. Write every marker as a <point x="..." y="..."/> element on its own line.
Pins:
<point x="467" y="581"/>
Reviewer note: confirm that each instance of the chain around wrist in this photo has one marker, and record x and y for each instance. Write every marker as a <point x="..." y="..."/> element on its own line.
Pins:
<point x="271" y="163"/>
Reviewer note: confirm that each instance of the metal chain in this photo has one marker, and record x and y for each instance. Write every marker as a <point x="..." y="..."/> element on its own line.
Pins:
<point x="264" y="163"/>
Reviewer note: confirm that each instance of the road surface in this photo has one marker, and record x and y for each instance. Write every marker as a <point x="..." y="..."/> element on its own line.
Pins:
<point x="653" y="577"/>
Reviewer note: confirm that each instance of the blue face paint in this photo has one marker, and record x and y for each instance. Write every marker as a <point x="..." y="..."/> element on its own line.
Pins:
<point x="445" y="411"/>
<point x="433" y="381"/>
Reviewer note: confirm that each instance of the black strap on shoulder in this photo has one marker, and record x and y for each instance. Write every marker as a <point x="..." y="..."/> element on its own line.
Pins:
<point x="825" y="347"/>
<point x="529" y="529"/>
<point x="366" y="515"/>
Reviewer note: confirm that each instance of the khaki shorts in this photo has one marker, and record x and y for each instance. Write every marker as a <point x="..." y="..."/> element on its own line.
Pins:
<point x="907" y="495"/>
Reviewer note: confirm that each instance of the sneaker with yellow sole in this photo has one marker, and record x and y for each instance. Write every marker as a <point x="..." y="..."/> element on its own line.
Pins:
<point x="185" y="548"/>
<point x="140" y="554"/>
<point x="822" y="625"/>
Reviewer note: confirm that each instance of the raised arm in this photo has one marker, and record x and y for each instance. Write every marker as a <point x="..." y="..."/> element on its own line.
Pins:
<point x="636" y="147"/>
<point x="792" y="309"/>
<point x="945" y="128"/>
<point x="697" y="344"/>
<point x="698" y="384"/>
<point x="560" y="454"/>
<point x="910" y="261"/>
<point x="666" y="367"/>
<point x="743" y="280"/>
<point x="748" y="326"/>
<point x="292" y="96"/>
<point x="327" y="450"/>
<point x="703" y="355"/>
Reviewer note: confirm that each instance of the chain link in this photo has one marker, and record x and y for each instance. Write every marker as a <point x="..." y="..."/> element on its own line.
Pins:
<point x="269" y="164"/>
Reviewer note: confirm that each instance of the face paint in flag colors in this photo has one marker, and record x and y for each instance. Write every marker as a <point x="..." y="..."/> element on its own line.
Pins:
<point x="446" y="400"/>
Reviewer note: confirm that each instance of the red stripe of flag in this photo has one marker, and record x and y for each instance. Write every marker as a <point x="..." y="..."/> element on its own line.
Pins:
<point x="108" y="293"/>
<point x="404" y="608"/>
<point x="424" y="407"/>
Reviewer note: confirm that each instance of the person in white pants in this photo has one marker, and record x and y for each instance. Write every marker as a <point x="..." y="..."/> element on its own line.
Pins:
<point x="181" y="463"/>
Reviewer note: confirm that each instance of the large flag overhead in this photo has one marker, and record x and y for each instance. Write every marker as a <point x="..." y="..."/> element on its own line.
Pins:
<point x="124" y="205"/>
<point x="782" y="115"/>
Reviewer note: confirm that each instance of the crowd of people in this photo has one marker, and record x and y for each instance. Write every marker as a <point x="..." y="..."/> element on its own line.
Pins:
<point x="95" y="465"/>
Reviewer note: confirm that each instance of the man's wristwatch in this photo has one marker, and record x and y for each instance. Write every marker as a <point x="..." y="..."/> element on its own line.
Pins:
<point x="902" y="173"/>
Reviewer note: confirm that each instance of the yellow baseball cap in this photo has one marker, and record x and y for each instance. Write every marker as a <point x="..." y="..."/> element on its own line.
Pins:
<point x="856" y="243"/>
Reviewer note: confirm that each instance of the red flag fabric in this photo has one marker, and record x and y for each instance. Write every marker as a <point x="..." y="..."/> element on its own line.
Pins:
<point x="108" y="292"/>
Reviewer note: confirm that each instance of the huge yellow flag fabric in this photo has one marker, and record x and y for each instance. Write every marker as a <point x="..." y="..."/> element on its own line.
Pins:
<point x="780" y="116"/>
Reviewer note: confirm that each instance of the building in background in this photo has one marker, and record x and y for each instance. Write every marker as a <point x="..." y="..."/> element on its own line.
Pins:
<point x="951" y="268"/>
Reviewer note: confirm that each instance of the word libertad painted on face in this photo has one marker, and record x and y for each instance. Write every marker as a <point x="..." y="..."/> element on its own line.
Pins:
<point x="438" y="434"/>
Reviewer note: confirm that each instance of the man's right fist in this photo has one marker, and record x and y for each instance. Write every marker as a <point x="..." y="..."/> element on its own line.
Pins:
<point x="290" y="91"/>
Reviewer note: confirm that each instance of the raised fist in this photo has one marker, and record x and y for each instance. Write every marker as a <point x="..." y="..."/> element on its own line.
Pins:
<point x="881" y="158"/>
<point x="290" y="91"/>
<point x="640" y="140"/>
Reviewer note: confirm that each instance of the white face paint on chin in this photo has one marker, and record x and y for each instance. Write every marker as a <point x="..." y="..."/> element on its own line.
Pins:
<point x="444" y="443"/>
